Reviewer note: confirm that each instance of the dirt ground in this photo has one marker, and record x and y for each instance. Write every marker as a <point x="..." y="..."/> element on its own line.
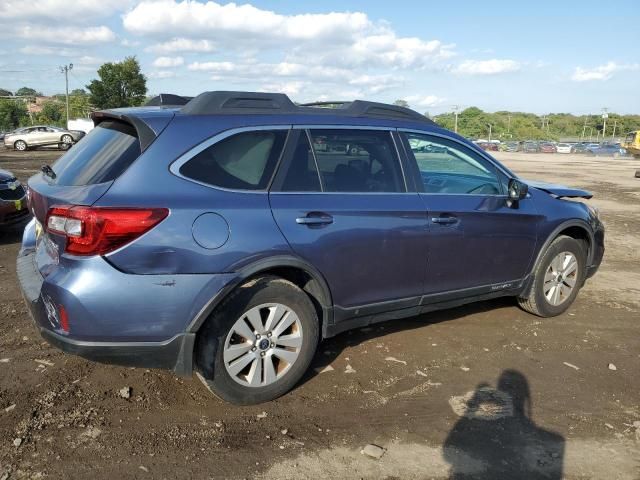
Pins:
<point x="483" y="391"/>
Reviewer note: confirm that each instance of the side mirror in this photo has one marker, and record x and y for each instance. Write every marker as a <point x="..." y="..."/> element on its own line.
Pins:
<point x="517" y="190"/>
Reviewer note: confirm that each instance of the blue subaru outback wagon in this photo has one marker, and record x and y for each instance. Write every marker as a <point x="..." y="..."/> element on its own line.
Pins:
<point x="230" y="233"/>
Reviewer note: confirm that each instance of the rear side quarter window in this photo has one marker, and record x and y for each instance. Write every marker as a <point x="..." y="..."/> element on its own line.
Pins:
<point x="244" y="161"/>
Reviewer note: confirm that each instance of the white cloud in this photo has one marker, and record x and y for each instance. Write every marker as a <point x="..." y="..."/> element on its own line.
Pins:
<point x="290" y="88"/>
<point x="44" y="50"/>
<point x="162" y="74"/>
<point x="125" y="42"/>
<point x="89" y="61"/>
<point x="346" y="39"/>
<point x="182" y="45"/>
<point x="189" y="18"/>
<point x="71" y="12"/>
<point x="602" y="72"/>
<point x="168" y="62"/>
<point x="486" y="67"/>
<point x="425" y="100"/>
<point x="65" y="35"/>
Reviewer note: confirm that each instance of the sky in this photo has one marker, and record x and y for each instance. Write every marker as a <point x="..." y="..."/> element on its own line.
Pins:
<point x="541" y="57"/>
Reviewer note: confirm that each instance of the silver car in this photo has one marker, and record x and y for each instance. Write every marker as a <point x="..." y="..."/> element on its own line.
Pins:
<point x="41" y="135"/>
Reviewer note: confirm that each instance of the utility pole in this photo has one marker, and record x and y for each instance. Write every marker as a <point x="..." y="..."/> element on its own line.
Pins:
<point x="455" y="112"/>
<point x="605" y="115"/>
<point x="509" y="123"/>
<point x="584" y="127"/>
<point x="489" y="132"/>
<point x="65" y="69"/>
<point x="615" y="123"/>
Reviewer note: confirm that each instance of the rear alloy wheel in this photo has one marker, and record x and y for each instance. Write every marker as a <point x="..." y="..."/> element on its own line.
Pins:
<point x="557" y="278"/>
<point x="263" y="345"/>
<point x="257" y="345"/>
<point x="20" y="145"/>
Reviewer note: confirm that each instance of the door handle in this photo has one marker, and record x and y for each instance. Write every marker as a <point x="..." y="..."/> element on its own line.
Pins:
<point x="445" y="220"/>
<point x="315" y="219"/>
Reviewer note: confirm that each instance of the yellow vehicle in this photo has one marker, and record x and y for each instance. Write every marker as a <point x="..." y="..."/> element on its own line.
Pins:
<point x="632" y="143"/>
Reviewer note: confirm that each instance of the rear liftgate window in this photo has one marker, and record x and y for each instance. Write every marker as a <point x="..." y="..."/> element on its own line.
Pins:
<point x="101" y="156"/>
<point x="245" y="161"/>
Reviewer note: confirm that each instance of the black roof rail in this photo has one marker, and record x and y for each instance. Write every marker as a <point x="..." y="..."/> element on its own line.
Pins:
<point x="226" y="102"/>
<point x="324" y="103"/>
<point x="208" y="103"/>
<point x="168" y="99"/>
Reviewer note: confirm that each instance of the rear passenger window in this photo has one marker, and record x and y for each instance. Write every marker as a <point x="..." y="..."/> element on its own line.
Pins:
<point x="357" y="161"/>
<point x="302" y="174"/>
<point x="244" y="161"/>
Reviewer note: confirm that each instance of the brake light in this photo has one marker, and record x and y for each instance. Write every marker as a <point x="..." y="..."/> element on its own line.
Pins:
<point x="100" y="230"/>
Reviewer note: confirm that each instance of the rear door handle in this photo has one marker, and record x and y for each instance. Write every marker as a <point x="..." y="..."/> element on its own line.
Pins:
<point x="444" y="220"/>
<point x="315" y="219"/>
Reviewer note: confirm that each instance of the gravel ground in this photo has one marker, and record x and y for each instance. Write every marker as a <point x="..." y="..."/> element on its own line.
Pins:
<point x="482" y="391"/>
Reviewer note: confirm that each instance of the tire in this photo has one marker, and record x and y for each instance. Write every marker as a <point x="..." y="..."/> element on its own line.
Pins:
<point x="20" y="145"/>
<point x="537" y="302"/>
<point x="64" y="146"/>
<point x="220" y="333"/>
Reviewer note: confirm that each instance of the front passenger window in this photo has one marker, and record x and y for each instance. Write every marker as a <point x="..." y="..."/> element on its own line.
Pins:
<point x="449" y="168"/>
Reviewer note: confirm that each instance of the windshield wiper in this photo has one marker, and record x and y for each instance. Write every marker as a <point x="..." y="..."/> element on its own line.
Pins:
<point x="48" y="171"/>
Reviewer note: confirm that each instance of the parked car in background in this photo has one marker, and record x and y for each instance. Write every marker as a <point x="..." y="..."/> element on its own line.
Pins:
<point x="40" y="136"/>
<point x="547" y="147"/>
<point x="13" y="200"/>
<point x="606" y="150"/>
<point x="512" y="146"/>
<point x="489" y="146"/>
<point x="564" y="148"/>
<point x="530" y="147"/>
<point x="225" y="241"/>
<point x="579" y="147"/>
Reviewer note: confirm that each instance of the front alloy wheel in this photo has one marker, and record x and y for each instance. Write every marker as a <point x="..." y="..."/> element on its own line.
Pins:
<point x="20" y="145"/>
<point x="560" y="278"/>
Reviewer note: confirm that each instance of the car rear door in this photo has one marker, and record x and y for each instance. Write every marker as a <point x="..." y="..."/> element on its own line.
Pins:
<point x="341" y="200"/>
<point x="477" y="242"/>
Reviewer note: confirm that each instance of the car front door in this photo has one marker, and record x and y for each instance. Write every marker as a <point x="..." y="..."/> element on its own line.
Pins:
<point x="477" y="243"/>
<point x="341" y="200"/>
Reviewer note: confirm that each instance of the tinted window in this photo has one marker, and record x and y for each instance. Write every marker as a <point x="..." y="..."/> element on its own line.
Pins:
<point x="244" y="161"/>
<point x="302" y="174"/>
<point x="357" y="161"/>
<point x="101" y="156"/>
<point x="447" y="167"/>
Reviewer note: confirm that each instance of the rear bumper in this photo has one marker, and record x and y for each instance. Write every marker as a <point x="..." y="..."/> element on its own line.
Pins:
<point x="115" y="323"/>
<point x="174" y="354"/>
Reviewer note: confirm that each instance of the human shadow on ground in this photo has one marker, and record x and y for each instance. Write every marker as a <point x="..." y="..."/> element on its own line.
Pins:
<point x="496" y="437"/>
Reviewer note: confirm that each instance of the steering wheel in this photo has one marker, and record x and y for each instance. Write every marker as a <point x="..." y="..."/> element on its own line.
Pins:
<point x="487" y="188"/>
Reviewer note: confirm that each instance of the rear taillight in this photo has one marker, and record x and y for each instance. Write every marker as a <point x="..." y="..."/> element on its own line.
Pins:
<point x="97" y="230"/>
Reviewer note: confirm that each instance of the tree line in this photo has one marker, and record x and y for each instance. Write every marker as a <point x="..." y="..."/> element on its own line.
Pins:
<point x="474" y="123"/>
<point x="119" y="84"/>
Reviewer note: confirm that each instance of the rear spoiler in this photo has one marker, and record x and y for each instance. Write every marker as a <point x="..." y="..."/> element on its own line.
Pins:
<point x="146" y="135"/>
<point x="168" y="100"/>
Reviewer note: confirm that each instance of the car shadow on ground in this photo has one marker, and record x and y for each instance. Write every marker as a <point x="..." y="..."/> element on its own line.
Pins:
<point x="331" y="348"/>
<point x="496" y="437"/>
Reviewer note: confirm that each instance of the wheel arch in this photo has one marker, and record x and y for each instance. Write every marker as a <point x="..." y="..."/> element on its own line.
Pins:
<point x="291" y="268"/>
<point x="575" y="228"/>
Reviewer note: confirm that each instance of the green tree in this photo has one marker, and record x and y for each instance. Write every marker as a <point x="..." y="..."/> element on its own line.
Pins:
<point x="13" y="113"/>
<point x="52" y="113"/>
<point x="28" y="92"/>
<point x="5" y="93"/>
<point x="120" y="85"/>
<point x="401" y="103"/>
